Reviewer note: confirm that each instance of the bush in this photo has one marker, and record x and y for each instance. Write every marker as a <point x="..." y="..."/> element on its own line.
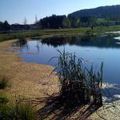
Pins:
<point x="78" y="83"/>
<point x="3" y="82"/>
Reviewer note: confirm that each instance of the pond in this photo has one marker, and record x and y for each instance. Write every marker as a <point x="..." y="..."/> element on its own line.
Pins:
<point x="93" y="50"/>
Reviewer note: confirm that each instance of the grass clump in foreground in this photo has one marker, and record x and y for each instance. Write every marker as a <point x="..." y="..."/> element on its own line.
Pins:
<point x="78" y="84"/>
<point x="19" y="111"/>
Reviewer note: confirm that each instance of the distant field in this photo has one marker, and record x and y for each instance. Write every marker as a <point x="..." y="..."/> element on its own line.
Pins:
<point x="49" y="32"/>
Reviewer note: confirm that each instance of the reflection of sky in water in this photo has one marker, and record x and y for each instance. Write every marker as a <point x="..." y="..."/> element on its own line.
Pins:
<point x="117" y="38"/>
<point x="37" y="52"/>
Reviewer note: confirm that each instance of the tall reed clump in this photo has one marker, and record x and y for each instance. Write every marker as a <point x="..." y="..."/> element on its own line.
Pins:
<point x="78" y="84"/>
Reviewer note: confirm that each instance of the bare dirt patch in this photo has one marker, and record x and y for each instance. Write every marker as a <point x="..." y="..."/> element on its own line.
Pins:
<point x="26" y="79"/>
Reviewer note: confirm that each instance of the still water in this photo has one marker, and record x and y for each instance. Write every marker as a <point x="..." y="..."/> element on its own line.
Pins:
<point x="95" y="50"/>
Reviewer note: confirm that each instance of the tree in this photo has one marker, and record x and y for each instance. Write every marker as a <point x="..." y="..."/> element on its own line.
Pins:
<point x="75" y="22"/>
<point x="1" y="26"/>
<point x="6" y="26"/>
<point x="93" y="21"/>
<point x="66" y="23"/>
<point x="53" y="22"/>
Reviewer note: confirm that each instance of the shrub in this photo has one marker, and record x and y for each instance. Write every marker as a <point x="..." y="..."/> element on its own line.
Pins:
<point x="3" y="82"/>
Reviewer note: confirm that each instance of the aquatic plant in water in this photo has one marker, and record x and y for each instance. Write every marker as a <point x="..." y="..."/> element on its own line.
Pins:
<point x="78" y="84"/>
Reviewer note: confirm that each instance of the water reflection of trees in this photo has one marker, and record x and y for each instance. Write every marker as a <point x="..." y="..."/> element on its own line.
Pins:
<point x="102" y="42"/>
<point x="20" y="43"/>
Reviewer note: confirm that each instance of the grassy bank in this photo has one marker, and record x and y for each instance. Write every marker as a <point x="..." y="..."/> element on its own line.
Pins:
<point x="46" y="33"/>
<point x="41" y="33"/>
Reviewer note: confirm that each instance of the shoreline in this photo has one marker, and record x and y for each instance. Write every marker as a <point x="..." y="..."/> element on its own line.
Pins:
<point x="33" y="81"/>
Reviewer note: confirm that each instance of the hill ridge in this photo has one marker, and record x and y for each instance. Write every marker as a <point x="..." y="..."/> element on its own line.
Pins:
<point x="99" y="12"/>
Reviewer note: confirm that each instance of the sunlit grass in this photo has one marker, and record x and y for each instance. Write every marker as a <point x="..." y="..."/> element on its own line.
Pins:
<point x="19" y="111"/>
<point x="49" y="32"/>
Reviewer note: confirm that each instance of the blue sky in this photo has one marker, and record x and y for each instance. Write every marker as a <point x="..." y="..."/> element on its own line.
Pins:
<point x="16" y="10"/>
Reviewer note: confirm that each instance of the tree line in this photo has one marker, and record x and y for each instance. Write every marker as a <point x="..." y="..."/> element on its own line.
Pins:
<point x="61" y="21"/>
<point x="56" y="22"/>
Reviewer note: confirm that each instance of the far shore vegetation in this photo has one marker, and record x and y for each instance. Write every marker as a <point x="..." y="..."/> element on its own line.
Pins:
<point x="57" y="32"/>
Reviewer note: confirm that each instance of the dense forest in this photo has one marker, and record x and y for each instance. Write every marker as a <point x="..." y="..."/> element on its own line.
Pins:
<point x="101" y="16"/>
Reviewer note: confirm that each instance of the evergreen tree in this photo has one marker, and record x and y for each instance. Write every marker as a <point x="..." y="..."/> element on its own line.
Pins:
<point x="6" y="26"/>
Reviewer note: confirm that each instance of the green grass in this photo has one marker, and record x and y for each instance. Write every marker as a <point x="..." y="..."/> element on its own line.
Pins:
<point x="49" y="32"/>
<point x="103" y="29"/>
<point x="3" y="99"/>
<point x="19" y="111"/>
<point x="40" y="33"/>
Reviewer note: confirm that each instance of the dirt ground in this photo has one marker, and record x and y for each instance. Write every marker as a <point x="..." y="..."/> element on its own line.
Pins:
<point x="25" y="79"/>
<point x="33" y="81"/>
